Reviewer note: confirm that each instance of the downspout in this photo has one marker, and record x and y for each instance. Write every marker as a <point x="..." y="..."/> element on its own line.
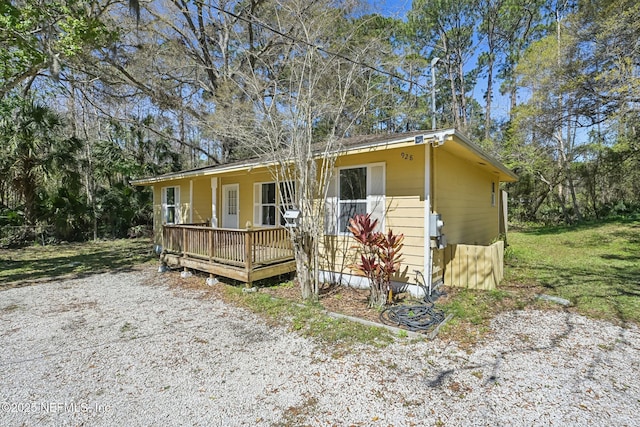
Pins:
<point x="214" y="202"/>
<point x="428" y="263"/>
<point x="437" y="140"/>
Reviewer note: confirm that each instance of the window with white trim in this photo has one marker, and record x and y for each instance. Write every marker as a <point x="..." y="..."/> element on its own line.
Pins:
<point x="269" y="205"/>
<point x="355" y="190"/>
<point x="170" y="205"/>
<point x="352" y="201"/>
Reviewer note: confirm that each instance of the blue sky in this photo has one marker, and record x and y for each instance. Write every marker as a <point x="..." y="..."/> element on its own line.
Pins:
<point x="395" y="8"/>
<point x="399" y="9"/>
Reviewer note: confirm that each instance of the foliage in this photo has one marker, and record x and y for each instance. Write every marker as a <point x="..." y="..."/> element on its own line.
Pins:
<point x="37" y="36"/>
<point x="380" y="256"/>
<point x="35" y="150"/>
<point x="173" y="87"/>
<point x="120" y="207"/>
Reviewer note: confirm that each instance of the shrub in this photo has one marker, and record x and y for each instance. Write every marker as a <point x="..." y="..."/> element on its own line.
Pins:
<point x="379" y="257"/>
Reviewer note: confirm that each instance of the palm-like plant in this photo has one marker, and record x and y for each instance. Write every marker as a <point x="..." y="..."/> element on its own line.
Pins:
<point x="380" y="256"/>
<point x="31" y="135"/>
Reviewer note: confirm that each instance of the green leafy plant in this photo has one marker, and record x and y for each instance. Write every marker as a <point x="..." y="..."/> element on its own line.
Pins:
<point x="380" y="257"/>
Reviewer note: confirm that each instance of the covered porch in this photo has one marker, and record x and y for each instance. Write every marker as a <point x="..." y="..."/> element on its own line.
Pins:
<point x="246" y="255"/>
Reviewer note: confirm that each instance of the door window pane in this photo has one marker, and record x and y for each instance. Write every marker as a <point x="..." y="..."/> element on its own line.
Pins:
<point x="232" y="208"/>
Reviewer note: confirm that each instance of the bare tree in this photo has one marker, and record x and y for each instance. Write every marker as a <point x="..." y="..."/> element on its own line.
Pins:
<point x="310" y="84"/>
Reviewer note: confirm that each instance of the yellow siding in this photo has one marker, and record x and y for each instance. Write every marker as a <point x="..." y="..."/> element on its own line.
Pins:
<point x="463" y="198"/>
<point x="201" y="200"/>
<point x="157" y="214"/>
<point x="404" y="185"/>
<point x="461" y="194"/>
<point x="245" y="181"/>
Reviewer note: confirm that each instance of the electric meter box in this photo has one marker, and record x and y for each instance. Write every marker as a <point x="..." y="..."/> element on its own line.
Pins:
<point x="435" y="225"/>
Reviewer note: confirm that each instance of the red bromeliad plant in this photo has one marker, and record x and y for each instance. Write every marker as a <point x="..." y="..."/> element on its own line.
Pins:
<point x="379" y="257"/>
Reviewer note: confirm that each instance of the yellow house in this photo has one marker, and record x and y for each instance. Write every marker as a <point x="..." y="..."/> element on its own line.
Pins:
<point x="436" y="187"/>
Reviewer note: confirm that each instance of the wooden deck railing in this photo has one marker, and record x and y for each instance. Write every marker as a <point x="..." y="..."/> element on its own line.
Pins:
<point x="246" y="248"/>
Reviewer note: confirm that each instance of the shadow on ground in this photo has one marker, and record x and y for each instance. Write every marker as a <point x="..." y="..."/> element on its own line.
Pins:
<point x="36" y="263"/>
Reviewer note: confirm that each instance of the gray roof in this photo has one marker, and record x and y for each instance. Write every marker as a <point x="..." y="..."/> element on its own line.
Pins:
<point x="345" y="144"/>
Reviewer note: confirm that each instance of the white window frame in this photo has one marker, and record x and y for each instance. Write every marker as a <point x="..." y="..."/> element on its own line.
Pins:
<point x="376" y="203"/>
<point x="167" y="206"/>
<point x="258" y="204"/>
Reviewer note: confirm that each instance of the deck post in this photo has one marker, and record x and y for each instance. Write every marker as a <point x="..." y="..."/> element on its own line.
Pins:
<point x="184" y="242"/>
<point x="210" y="234"/>
<point x="164" y="238"/>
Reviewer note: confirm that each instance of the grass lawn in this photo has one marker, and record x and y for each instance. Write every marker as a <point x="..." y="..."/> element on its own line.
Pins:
<point x="40" y="262"/>
<point x="595" y="266"/>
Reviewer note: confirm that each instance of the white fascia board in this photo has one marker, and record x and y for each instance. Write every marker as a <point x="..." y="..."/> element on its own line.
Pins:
<point x="213" y="170"/>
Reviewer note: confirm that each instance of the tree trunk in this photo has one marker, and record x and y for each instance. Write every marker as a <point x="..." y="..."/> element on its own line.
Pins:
<point x="489" y="97"/>
<point x="455" y="113"/>
<point x="378" y="295"/>
<point x="303" y="246"/>
<point x="463" y="98"/>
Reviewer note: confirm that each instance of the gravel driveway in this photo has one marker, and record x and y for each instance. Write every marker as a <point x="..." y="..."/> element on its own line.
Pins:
<point x="125" y="349"/>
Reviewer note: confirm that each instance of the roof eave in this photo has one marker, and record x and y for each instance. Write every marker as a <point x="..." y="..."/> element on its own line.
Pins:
<point x="506" y="175"/>
<point x="509" y="175"/>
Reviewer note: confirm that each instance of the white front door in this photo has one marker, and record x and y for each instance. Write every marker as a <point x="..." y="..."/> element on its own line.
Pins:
<point x="230" y="203"/>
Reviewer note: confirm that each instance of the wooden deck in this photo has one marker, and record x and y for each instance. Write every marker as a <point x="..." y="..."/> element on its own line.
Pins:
<point x="241" y="254"/>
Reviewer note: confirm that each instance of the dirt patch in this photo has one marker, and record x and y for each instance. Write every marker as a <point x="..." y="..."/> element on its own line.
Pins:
<point x="333" y="298"/>
<point x="337" y="299"/>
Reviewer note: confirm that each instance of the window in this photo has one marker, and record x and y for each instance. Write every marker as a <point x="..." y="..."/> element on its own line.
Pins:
<point x="170" y="204"/>
<point x="353" y="195"/>
<point x="269" y="205"/>
<point x="355" y="190"/>
<point x="232" y="202"/>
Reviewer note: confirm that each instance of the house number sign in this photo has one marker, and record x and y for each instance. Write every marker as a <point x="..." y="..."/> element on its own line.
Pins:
<point x="406" y="156"/>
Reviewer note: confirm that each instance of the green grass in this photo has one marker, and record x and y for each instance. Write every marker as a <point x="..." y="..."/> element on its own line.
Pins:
<point x="39" y="262"/>
<point x="595" y="266"/>
<point x="310" y="320"/>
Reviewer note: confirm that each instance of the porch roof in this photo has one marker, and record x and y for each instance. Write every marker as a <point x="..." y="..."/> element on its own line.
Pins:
<point x="462" y="147"/>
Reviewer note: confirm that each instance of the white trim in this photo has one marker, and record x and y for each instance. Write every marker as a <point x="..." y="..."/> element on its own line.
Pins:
<point x="359" y="282"/>
<point x="493" y="194"/>
<point x="225" y="202"/>
<point x="176" y="204"/>
<point x="427" y="261"/>
<point x="368" y="198"/>
<point x="214" y="202"/>
<point x="429" y="136"/>
<point x="258" y="204"/>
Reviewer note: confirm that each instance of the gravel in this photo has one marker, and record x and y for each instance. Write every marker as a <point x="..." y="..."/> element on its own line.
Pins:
<point x="127" y="349"/>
